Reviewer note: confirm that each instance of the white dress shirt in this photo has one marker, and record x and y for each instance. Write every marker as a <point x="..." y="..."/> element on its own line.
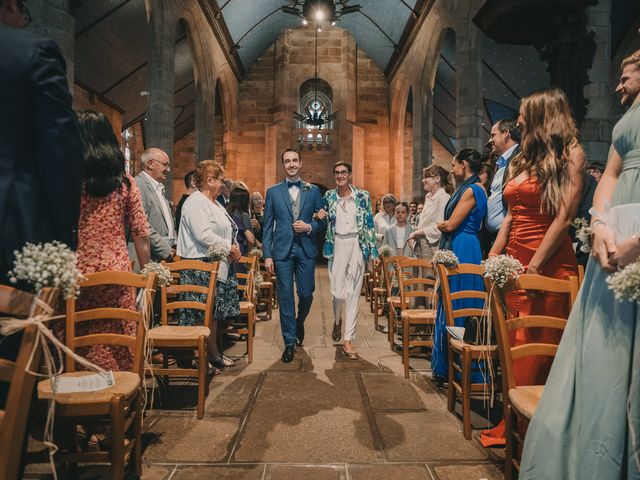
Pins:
<point x="164" y="204"/>
<point x="204" y="223"/>
<point x="294" y="191"/>
<point x="495" y="208"/>
<point x="346" y="215"/>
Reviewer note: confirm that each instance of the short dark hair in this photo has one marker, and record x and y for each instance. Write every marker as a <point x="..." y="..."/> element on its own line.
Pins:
<point x="238" y="200"/>
<point x="347" y="165"/>
<point x="295" y="150"/>
<point x="509" y="125"/>
<point x="104" y="162"/>
<point x="188" y="178"/>
<point x="472" y="157"/>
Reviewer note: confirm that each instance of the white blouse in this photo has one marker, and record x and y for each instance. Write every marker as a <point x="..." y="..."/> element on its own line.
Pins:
<point x="204" y="223"/>
<point x="382" y="222"/>
<point x="432" y="213"/>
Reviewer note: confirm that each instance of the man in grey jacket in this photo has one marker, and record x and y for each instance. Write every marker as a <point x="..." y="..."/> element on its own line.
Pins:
<point x="155" y="166"/>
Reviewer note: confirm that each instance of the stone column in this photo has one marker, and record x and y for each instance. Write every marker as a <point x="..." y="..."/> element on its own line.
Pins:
<point x="205" y="121"/>
<point x="422" y="136"/>
<point x="159" y="124"/>
<point x="469" y="106"/>
<point x="595" y="131"/>
<point x="54" y="19"/>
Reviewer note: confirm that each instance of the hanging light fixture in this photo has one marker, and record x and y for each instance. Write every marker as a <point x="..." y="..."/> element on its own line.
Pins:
<point x="329" y="10"/>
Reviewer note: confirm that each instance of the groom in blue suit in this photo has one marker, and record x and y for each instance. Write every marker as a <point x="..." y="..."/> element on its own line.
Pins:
<point x="289" y="243"/>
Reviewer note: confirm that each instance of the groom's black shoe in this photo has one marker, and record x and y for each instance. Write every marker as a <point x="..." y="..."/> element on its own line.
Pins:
<point x="289" y="352"/>
<point x="300" y="333"/>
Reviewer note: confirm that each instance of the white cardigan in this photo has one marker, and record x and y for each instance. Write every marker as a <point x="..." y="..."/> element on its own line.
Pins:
<point x="203" y="223"/>
<point x="432" y="213"/>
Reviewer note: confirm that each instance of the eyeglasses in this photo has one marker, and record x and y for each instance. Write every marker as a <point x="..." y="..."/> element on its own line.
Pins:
<point x="341" y="173"/>
<point x="164" y="164"/>
<point x="27" y="16"/>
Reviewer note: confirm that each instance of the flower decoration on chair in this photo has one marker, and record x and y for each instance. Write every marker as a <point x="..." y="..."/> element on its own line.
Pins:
<point x="385" y="251"/>
<point x="51" y="264"/>
<point x="583" y="233"/>
<point x="218" y="252"/>
<point x="163" y="274"/>
<point x="502" y="269"/>
<point x="255" y="252"/>
<point x="446" y="258"/>
<point x="625" y="284"/>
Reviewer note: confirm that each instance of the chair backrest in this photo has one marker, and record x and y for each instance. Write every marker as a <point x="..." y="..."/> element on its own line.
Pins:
<point x="415" y="286"/>
<point x="505" y="325"/>
<point x="169" y="300"/>
<point x="580" y="275"/>
<point x="13" y="419"/>
<point x="445" y="274"/>
<point x="388" y="266"/>
<point x="74" y="317"/>
<point x="248" y="285"/>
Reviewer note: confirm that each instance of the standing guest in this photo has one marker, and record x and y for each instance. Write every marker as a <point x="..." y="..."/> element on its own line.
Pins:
<point x="40" y="148"/>
<point x="110" y="203"/>
<point x="587" y="422"/>
<point x="238" y="210"/>
<point x="385" y="218"/>
<point x="190" y="183"/>
<point x="436" y="182"/>
<point x="463" y="217"/>
<point x="543" y="192"/>
<point x="350" y="242"/>
<point x="420" y="208"/>
<point x="398" y="235"/>
<point x="595" y="169"/>
<point x="413" y="213"/>
<point x="504" y="140"/>
<point x="225" y="191"/>
<point x="204" y="223"/>
<point x="378" y="206"/>
<point x="155" y="167"/>
<point x="486" y="176"/>
<point x="290" y="246"/>
<point x="257" y="207"/>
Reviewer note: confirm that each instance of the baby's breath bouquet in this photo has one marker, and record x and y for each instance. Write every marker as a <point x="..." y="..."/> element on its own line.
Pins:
<point x="501" y="269"/>
<point x="48" y="265"/>
<point x="446" y="258"/>
<point x="625" y="284"/>
<point x="163" y="274"/>
<point x="218" y="252"/>
<point x="255" y="252"/>
<point x="385" y="251"/>
<point x="583" y="233"/>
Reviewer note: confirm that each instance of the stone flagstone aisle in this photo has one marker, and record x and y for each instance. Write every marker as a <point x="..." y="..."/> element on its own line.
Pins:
<point x="321" y="417"/>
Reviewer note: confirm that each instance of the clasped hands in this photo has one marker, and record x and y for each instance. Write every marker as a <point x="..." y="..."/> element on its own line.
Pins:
<point x="608" y="254"/>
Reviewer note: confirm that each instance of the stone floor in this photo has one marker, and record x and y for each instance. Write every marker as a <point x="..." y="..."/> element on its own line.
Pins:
<point x="320" y="417"/>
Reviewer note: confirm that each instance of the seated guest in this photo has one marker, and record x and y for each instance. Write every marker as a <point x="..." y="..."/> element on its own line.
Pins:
<point x="204" y="223"/>
<point x="398" y="236"/>
<point x="110" y="204"/>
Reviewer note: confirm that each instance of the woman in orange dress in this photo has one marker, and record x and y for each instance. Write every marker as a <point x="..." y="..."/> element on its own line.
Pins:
<point x="543" y="193"/>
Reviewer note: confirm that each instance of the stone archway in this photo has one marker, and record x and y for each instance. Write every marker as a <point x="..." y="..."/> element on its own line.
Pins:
<point x="400" y="178"/>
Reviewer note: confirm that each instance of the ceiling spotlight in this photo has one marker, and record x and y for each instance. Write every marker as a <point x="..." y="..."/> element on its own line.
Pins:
<point x="319" y="15"/>
<point x="304" y="21"/>
<point x="290" y="10"/>
<point x="333" y="22"/>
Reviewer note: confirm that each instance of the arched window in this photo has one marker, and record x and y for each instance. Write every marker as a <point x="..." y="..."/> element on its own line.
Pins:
<point x="316" y="98"/>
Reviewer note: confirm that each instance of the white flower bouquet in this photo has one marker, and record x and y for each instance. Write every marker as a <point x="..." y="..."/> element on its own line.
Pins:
<point x="583" y="233"/>
<point x="218" y="252"/>
<point x="625" y="284"/>
<point x="48" y="265"/>
<point x="163" y="274"/>
<point x="446" y="258"/>
<point x="385" y="251"/>
<point x="501" y="269"/>
<point x="255" y="252"/>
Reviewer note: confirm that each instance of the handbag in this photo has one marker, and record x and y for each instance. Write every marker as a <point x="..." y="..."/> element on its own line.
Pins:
<point x="475" y="331"/>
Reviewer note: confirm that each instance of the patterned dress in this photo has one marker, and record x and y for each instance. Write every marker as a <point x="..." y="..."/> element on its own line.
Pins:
<point x="102" y="245"/>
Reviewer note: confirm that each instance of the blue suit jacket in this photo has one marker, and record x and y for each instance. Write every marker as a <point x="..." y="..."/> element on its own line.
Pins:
<point x="277" y="233"/>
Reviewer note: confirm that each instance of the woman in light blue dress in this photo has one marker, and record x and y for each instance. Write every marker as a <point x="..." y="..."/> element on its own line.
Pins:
<point x="587" y="424"/>
<point x="463" y="217"/>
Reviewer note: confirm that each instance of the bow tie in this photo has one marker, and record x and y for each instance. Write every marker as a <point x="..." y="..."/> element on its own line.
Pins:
<point x="501" y="162"/>
<point x="293" y="184"/>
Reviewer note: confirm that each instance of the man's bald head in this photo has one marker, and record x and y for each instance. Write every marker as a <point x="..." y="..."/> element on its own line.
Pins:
<point x="156" y="163"/>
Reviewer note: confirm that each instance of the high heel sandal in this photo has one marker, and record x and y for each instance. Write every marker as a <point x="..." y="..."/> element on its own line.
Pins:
<point x="350" y="355"/>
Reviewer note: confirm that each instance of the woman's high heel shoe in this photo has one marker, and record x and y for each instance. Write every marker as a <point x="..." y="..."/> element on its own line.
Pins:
<point x="350" y="355"/>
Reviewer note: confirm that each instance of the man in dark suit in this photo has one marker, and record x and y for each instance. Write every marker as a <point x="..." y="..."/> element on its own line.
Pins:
<point x="290" y="248"/>
<point x="41" y="152"/>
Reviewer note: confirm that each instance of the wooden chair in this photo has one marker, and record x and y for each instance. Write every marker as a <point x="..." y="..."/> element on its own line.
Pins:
<point x="392" y="302"/>
<point x="266" y="290"/>
<point x="378" y="294"/>
<point x="248" y="303"/>
<point x="462" y="355"/>
<point x="173" y="339"/>
<point x="411" y="288"/>
<point x="13" y="419"/>
<point x="520" y="401"/>
<point x="120" y="406"/>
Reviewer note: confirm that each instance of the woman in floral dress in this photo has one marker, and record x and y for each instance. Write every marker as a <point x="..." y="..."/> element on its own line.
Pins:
<point x="110" y="206"/>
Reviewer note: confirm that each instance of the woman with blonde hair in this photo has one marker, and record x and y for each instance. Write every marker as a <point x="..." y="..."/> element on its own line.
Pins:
<point x="543" y="192"/>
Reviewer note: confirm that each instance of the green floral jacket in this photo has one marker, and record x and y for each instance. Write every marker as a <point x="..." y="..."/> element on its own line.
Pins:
<point x="364" y="220"/>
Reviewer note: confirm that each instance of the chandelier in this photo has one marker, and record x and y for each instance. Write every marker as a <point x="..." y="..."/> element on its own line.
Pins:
<point x="320" y="10"/>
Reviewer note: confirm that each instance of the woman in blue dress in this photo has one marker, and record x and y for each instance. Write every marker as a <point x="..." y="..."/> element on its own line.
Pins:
<point x="587" y="424"/>
<point x="463" y="217"/>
